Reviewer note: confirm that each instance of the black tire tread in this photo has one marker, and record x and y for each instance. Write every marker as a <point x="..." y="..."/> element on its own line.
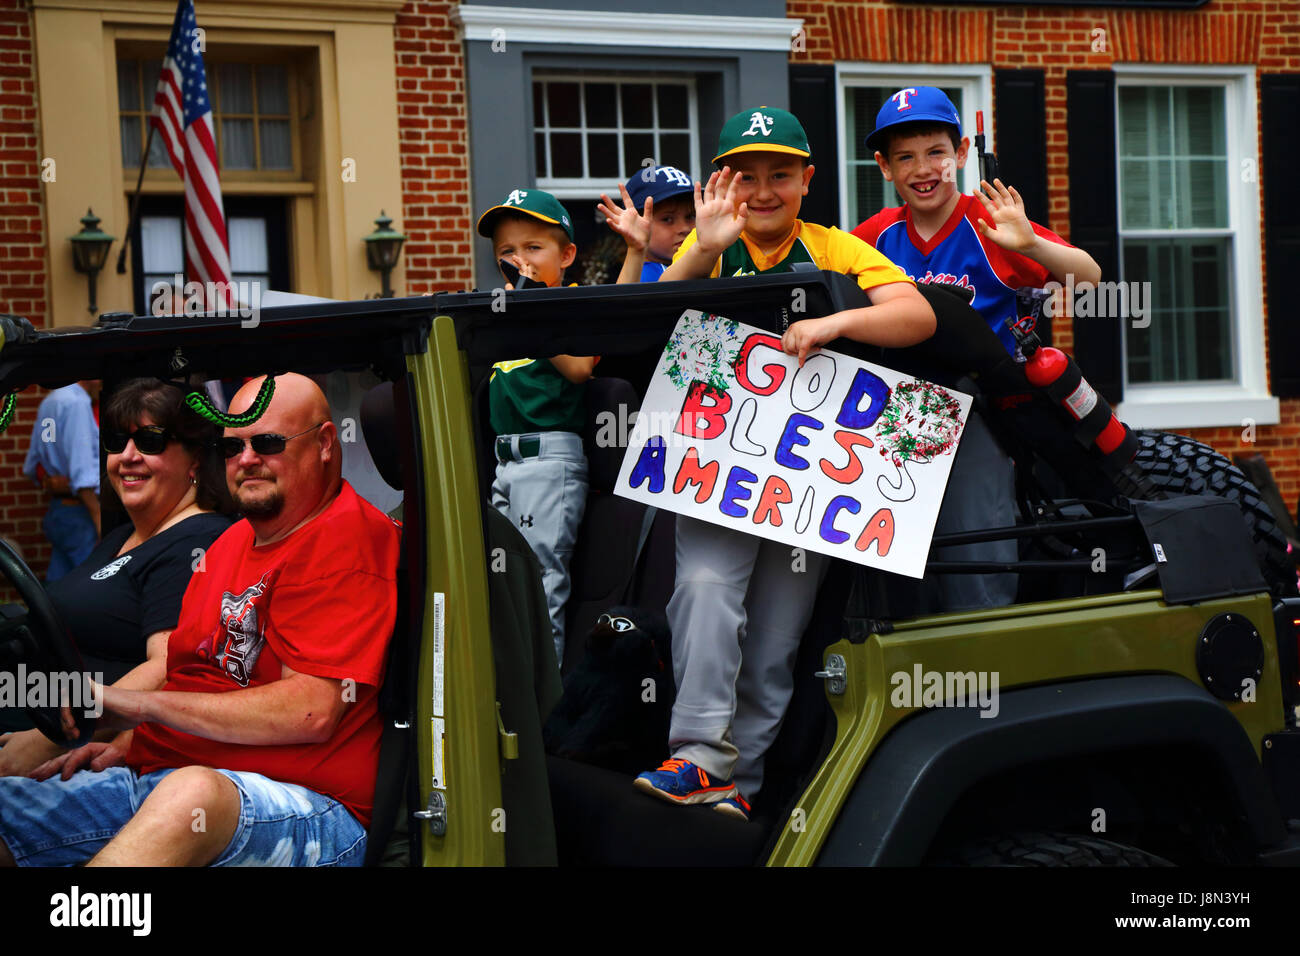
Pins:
<point x="1179" y="465"/>
<point x="1040" y="848"/>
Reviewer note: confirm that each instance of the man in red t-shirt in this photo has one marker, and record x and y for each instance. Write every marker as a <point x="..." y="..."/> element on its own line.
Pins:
<point x="272" y="676"/>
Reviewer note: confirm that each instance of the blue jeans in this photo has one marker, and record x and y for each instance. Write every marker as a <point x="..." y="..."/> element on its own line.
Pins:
<point x="63" y="823"/>
<point x="72" y="537"/>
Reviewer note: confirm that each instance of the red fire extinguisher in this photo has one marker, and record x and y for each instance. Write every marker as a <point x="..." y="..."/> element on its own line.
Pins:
<point x="1095" y="424"/>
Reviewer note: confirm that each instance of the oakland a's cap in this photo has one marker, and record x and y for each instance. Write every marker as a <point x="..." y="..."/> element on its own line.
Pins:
<point x="767" y="129"/>
<point x="661" y="182"/>
<point x="531" y="202"/>
<point x="914" y="104"/>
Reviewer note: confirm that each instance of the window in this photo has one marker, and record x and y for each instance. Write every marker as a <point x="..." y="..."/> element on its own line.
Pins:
<point x="591" y="132"/>
<point x="1188" y="232"/>
<point x="1174" y="230"/>
<point x="864" y="88"/>
<point x="251" y="106"/>
<point x="255" y="230"/>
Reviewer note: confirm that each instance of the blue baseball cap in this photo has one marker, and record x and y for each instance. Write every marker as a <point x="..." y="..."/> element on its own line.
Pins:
<point x="912" y="104"/>
<point x="659" y="183"/>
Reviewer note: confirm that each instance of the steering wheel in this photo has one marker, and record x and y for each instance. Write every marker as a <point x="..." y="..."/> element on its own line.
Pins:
<point x="39" y="640"/>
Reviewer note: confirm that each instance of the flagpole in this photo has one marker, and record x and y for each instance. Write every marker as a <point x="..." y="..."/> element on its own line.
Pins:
<point x="135" y="200"/>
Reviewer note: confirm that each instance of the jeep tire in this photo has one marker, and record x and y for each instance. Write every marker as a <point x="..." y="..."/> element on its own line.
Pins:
<point x="1037" y="848"/>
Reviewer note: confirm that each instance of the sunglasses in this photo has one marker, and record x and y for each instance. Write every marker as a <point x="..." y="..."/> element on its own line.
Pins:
<point x="267" y="443"/>
<point x="149" y="440"/>
<point x="619" y="624"/>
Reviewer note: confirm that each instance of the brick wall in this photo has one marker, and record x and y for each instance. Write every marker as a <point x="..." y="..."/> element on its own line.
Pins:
<point x="1057" y="39"/>
<point x="23" y="255"/>
<point x="434" y="149"/>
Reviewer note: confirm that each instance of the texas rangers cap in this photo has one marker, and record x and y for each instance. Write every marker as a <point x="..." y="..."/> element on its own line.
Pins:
<point x="660" y="183"/>
<point x="531" y="202"/>
<point x="765" y="129"/>
<point x="913" y="104"/>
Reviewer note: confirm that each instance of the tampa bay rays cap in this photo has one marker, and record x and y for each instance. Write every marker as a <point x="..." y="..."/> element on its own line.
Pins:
<point x="531" y="202"/>
<point x="912" y="104"/>
<point x="660" y="183"/>
<point x="765" y="129"/>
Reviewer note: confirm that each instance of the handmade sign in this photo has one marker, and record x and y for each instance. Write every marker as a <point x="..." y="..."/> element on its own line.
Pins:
<point x="841" y="456"/>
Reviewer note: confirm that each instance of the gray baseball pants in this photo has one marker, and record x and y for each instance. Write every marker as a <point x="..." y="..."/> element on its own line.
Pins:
<point x="738" y="611"/>
<point x="545" y="497"/>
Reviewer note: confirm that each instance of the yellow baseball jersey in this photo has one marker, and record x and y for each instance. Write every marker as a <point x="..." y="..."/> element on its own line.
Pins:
<point x="808" y="242"/>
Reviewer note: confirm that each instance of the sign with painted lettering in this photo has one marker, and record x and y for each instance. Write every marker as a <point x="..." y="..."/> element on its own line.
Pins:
<point x="841" y="456"/>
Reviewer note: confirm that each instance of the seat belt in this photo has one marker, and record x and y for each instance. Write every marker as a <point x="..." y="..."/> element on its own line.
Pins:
<point x="647" y="522"/>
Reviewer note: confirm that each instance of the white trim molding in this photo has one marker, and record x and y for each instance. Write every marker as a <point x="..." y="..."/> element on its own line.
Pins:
<point x="1246" y="400"/>
<point x="975" y="80"/>
<point x="1206" y="406"/>
<point x="610" y="28"/>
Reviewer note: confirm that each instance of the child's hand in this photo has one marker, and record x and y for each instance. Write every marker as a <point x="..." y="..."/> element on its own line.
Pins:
<point x="1010" y="229"/>
<point x="808" y="334"/>
<point x="719" y="219"/>
<point x="633" y="227"/>
<point x="527" y="270"/>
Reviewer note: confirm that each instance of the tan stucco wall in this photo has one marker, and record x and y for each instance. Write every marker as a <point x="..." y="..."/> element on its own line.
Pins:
<point x="353" y="114"/>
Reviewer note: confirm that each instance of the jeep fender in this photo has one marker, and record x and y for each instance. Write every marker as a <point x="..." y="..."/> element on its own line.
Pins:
<point x="920" y="770"/>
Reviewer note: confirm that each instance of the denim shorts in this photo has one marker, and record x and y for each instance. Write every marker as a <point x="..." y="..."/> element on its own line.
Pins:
<point x="64" y="823"/>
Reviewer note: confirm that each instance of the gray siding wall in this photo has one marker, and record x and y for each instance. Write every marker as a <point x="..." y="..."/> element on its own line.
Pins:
<point x="501" y="103"/>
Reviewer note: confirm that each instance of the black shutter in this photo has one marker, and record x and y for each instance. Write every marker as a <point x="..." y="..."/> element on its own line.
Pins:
<point x="1280" y="120"/>
<point x="1022" y="146"/>
<point x="1094" y="216"/>
<point x="812" y="99"/>
<point x="1022" y="136"/>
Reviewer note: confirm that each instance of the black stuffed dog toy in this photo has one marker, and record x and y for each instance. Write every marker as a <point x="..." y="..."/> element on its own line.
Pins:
<point x="616" y="703"/>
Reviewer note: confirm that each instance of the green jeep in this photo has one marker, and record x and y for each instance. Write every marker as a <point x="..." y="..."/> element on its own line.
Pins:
<point x="1145" y="709"/>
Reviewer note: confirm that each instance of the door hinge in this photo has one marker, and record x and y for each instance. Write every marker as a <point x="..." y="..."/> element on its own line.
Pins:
<point x="835" y="674"/>
<point x="435" y="813"/>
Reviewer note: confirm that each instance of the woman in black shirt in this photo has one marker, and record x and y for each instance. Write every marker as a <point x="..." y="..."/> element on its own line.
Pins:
<point x="121" y="603"/>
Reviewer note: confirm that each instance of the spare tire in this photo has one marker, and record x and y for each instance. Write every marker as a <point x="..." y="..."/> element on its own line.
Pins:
<point x="1178" y="465"/>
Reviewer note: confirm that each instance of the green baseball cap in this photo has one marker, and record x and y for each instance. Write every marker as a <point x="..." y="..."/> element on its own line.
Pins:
<point x="531" y="202"/>
<point x="767" y="129"/>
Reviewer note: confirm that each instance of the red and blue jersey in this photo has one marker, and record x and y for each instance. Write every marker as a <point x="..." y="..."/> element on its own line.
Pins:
<point x="958" y="255"/>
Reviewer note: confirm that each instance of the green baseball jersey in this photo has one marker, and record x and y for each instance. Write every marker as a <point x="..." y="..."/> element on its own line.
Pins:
<point x="530" y="395"/>
<point x="737" y="261"/>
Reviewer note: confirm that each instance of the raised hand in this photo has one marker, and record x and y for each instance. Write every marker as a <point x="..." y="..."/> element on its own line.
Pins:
<point x="719" y="218"/>
<point x="634" y="227"/>
<point x="1011" y="228"/>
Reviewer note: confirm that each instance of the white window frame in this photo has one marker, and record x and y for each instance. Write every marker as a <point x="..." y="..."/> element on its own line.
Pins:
<point x="586" y="187"/>
<point x="1244" y="400"/>
<point x="975" y="81"/>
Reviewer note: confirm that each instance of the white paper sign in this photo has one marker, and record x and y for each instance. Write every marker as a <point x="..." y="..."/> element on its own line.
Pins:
<point x="841" y="457"/>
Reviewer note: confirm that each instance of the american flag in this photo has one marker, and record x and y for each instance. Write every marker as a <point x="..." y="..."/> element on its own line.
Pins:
<point x="183" y="117"/>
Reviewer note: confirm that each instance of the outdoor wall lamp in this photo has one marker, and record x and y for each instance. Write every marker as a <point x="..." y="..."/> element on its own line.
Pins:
<point x="89" y="251"/>
<point x="383" y="247"/>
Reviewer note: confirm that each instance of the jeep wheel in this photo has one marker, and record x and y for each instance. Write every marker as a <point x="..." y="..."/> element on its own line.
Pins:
<point x="1179" y="465"/>
<point x="1049" y="849"/>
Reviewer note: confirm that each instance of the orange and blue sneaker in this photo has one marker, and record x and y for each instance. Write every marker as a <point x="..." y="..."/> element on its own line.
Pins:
<point x="684" y="782"/>
<point x="736" y="806"/>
